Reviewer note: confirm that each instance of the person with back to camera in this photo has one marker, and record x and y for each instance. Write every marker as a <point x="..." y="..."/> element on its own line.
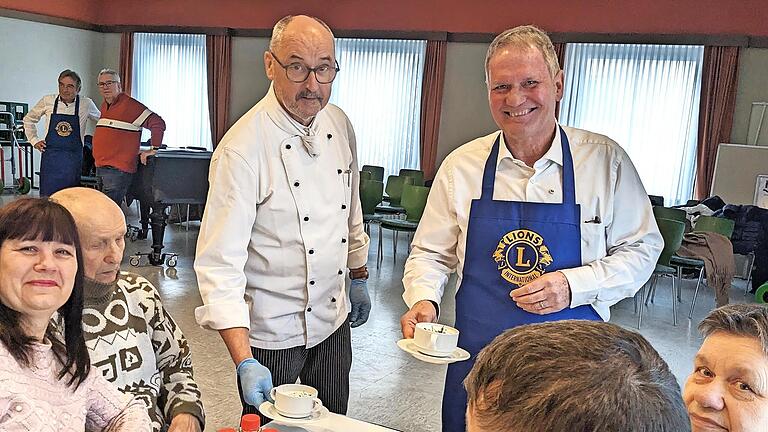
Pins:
<point x="572" y="376"/>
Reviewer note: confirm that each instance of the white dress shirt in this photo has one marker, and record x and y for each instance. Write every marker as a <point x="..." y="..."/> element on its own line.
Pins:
<point x="44" y="108"/>
<point x="620" y="241"/>
<point x="281" y="227"/>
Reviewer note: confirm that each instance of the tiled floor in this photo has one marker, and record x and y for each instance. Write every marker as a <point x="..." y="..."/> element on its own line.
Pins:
<point x="389" y="387"/>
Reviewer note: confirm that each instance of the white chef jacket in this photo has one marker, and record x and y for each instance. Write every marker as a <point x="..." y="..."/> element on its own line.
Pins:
<point x="620" y="241"/>
<point x="280" y="228"/>
<point x="44" y="107"/>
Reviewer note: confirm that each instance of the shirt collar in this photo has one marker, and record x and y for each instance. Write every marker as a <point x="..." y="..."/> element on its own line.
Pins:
<point x="554" y="154"/>
<point x="120" y="96"/>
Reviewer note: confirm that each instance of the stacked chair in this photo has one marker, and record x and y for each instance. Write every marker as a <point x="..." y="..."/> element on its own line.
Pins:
<point x="371" y="193"/>
<point x="394" y="189"/>
<point x="414" y="199"/>
<point x="416" y="175"/>
<point x="670" y="263"/>
<point x="672" y="233"/>
<point x="377" y="172"/>
<point x="707" y="224"/>
<point x="395" y="205"/>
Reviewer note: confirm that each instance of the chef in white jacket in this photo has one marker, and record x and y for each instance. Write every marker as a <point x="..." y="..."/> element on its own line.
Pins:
<point x="283" y="224"/>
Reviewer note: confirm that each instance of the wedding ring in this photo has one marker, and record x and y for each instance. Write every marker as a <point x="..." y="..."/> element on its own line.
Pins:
<point x="542" y="305"/>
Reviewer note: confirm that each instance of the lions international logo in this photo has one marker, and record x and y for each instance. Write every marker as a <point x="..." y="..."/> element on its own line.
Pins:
<point x="63" y="128"/>
<point x="522" y="256"/>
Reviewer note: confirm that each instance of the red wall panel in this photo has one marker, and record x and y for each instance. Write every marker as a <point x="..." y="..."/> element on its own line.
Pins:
<point x="743" y="17"/>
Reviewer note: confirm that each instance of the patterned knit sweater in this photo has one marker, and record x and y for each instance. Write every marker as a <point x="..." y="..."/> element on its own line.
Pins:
<point x="137" y="346"/>
<point x="34" y="399"/>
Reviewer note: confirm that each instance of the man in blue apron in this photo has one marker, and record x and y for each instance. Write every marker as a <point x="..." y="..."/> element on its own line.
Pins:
<point x="541" y="222"/>
<point x="62" y="160"/>
<point x="62" y="145"/>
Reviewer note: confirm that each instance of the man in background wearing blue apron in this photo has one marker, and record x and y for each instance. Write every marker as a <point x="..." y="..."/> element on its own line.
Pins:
<point x="62" y="146"/>
<point x="541" y="222"/>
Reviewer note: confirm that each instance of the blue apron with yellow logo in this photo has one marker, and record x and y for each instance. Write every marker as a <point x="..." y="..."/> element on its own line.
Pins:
<point x="62" y="160"/>
<point x="509" y="244"/>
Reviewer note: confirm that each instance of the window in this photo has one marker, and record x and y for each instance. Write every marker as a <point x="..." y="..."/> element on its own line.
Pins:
<point x="646" y="98"/>
<point x="170" y="78"/>
<point x="379" y="87"/>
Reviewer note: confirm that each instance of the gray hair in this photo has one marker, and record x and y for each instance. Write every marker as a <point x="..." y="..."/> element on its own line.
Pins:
<point x="526" y="36"/>
<point x="748" y="320"/>
<point x="577" y="376"/>
<point x="277" y="31"/>
<point x="107" y="71"/>
<point x="67" y="73"/>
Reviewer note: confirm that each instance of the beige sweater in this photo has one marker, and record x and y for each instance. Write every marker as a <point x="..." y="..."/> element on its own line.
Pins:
<point x="716" y="251"/>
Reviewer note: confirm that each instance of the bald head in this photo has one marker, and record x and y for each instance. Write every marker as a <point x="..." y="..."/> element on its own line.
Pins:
<point x="88" y="206"/>
<point x="101" y="225"/>
<point x="294" y="26"/>
<point x="305" y="44"/>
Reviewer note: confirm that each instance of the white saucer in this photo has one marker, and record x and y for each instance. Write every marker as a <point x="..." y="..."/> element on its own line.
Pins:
<point x="408" y="346"/>
<point x="268" y="410"/>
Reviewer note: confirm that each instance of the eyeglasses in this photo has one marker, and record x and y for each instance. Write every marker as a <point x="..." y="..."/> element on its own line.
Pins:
<point x="299" y="72"/>
<point x="106" y="83"/>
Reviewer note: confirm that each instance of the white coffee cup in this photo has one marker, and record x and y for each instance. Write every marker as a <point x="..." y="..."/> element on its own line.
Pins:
<point x="437" y="340"/>
<point x="296" y="400"/>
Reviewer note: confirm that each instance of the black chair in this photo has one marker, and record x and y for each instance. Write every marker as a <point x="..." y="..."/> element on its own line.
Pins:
<point x="656" y="200"/>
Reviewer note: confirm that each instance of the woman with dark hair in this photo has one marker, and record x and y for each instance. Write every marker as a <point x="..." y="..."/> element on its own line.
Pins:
<point x="46" y="382"/>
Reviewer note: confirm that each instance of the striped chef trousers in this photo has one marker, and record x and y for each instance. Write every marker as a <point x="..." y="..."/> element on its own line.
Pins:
<point x="324" y="366"/>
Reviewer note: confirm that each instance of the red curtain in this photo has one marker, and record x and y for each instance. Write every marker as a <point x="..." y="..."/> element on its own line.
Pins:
<point x="431" y="103"/>
<point x="126" y="61"/>
<point x="218" y="49"/>
<point x="560" y="51"/>
<point x="718" y="98"/>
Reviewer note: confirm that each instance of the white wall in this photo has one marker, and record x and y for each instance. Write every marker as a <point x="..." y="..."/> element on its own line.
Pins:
<point x="33" y="55"/>
<point x="465" y="114"/>
<point x="249" y="81"/>
<point x="752" y="87"/>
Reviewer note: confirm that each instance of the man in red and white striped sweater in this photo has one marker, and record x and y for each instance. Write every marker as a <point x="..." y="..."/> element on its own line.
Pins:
<point x="118" y="136"/>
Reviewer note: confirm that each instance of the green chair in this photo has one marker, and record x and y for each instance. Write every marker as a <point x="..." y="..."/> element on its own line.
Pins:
<point x="418" y="175"/>
<point x="371" y="192"/>
<point x="715" y="224"/>
<point x="718" y="225"/>
<point x="377" y="172"/>
<point x="669" y="213"/>
<point x="672" y="233"/>
<point x="366" y="175"/>
<point x="414" y="200"/>
<point x="394" y="189"/>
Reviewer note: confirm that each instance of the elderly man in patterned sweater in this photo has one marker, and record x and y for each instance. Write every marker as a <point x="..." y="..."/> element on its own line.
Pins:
<point x="131" y="339"/>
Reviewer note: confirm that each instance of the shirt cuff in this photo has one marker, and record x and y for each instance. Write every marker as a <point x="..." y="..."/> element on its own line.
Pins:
<point x="358" y="257"/>
<point x="583" y="284"/>
<point x="415" y="295"/>
<point x="221" y="316"/>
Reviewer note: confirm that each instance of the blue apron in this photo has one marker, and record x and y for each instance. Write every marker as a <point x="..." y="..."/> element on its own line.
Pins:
<point x="62" y="160"/>
<point x="509" y="244"/>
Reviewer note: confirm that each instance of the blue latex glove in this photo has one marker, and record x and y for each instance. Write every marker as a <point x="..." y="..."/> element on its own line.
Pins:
<point x="361" y="302"/>
<point x="255" y="382"/>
